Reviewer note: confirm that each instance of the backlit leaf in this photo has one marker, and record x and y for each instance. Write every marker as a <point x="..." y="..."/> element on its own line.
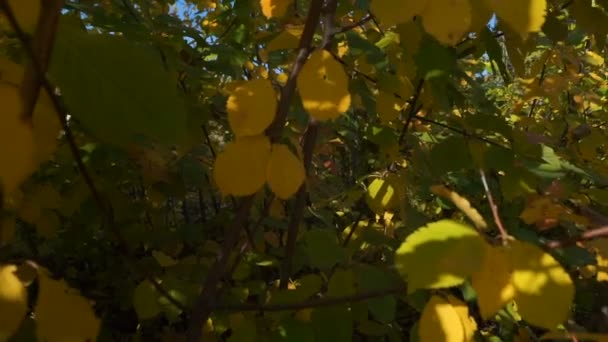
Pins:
<point x="448" y="29"/>
<point x="62" y="314"/>
<point x="392" y="12"/>
<point x="323" y="86"/>
<point x="451" y="252"/>
<point x="13" y="301"/>
<point x="240" y="169"/>
<point x="493" y="281"/>
<point x="251" y="107"/>
<point x="523" y="16"/>
<point x="275" y="8"/>
<point x="285" y="172"/>
<point x="440" y="322"/>
<point x="540" y="282"/>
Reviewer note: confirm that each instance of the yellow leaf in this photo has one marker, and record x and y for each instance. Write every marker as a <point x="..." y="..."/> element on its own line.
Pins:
<point x="593" y="58"/>
<point x="393" y="12"/>
<point x="62" y="314"/>
<point x="285" y="172"/>
<point x="323" y="86"/>
<point x="251" y="107"/>
<point x="493" y="281"/>
<point x="439" y="322"/>
<point x="468" y="323"/>
<point x="481" y="15"/>
<point x="447" y="29"/>
<point x="275" y="8"/>
<point x="288" y="39"/>
<point x="13" y="301"/>
<point x="240" y="170"/>
<point x="17" y="145"/>
<point x="523" y="16"/>
<point x="461" y="203"/>
<point x="387" y="107"/>
<point x="381" y="195"/>
<point x="452" y="252"/>
<point x="26" y="12"/>
<point x="11" y="72"/>
<point x="46" y="127"/>
<point x="540" y="282"/>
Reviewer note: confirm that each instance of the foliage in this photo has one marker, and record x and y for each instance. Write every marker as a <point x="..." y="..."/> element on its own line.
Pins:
<point x="306" y="170"/>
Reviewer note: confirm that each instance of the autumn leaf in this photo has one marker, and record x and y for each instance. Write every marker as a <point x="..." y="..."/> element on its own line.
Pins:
<point x="13" y="301"/>
<point x="285" y="171"/>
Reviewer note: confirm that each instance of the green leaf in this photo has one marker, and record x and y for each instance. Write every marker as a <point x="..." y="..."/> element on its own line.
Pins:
<point x="372" y="278"/>
<point x="439" y="255"/>
<point x="117" y="88"/>
<point x="145" y="301"/>
<point x="323" y="249"/>
<point x="342" y="283"/>
<point x="333" y="323"/>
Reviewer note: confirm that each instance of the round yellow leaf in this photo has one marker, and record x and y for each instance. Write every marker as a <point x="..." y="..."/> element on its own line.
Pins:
<point x="452" y="252"/>
<point x="393" y="12"/>
<point x="13" y="301"/>
<point x="381" y="195"/>
<point x="523" y="16"/>
<point x="387" y="107"/>
<point x="543" y="289"/>
<point x="462" y="310"/>
<point x="285" y="172"/>
<point x="439" y="322"/>
<point x="275" y="8"/>
<point x="240" y="170"/>
<point x="323" y="86"/>
<point x="62" y="314"/>
<point x="493" y="281"/>
<point x="26" y="12"/>
<point x="251" y="107"/>
<point x="17" y="145"/>
<point x="447" y="29"/>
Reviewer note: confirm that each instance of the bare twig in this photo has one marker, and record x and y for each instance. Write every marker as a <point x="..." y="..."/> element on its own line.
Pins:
<point x="296" y="216"/>
<point x="596" y="233"/>
<point x="504" y="236"/>
<point x="356" y="24"/>
<point x="414" y="108"/>
<point x="313" y="303"/>
<point x="460" y="131"/>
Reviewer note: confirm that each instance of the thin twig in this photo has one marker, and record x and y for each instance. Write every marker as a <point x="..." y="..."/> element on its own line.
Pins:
<point x="356" y="24"/>
<point x="413" y="110"/>
<point x="503" y="232"/>
<point x="296" y="216"/>
<point x="596" y="233"/>
<point x="313" y="303"/>
<point x="460" y="131"/>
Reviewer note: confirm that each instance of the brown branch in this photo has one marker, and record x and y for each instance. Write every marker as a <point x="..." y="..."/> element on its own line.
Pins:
<point x="204" y="304"/>
<point x="596" y="233"/>
<point x="504" y="236"/>
<point x="296" y="216"/>
<point x="42" y="45"/>
<point x="460" y="131"/>
<point x="413" y="110"/>
<point x="313" y="303"/>
<point x="354" y="25"/>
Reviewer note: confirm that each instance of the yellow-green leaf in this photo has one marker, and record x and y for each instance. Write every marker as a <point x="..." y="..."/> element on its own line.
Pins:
<point x="62" y="314"/>
<point x="493" y="281"/>
<point x="447" y="28"/>
<point x="441" y="254"/>
<point x="285" y="172"/>
<point x="26" y="12"/>
<point x="540" y="283"/>
<point x="251" y="107"/>
<point x="523" y="16"/>
<point x="439" y="322"/>
<point x="323" y="86"/>
<point x="275" y="8"/>
<point x="461" y="203"/>
<point x="17" y="144"/>
<point x="392" y="12"/>
<point x="13" y="301"/>
<point x="240" y="170"/>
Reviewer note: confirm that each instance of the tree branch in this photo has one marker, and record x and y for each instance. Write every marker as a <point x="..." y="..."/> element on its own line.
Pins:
<point x="596" y="233"/>
<point x="460" y="131"/>
<point x="361" y="22"/>
<point x="504" y="236"/>
<point x="204" y="304"/>
<point x="313" y="303"/>
<point x="413" y="110"/>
